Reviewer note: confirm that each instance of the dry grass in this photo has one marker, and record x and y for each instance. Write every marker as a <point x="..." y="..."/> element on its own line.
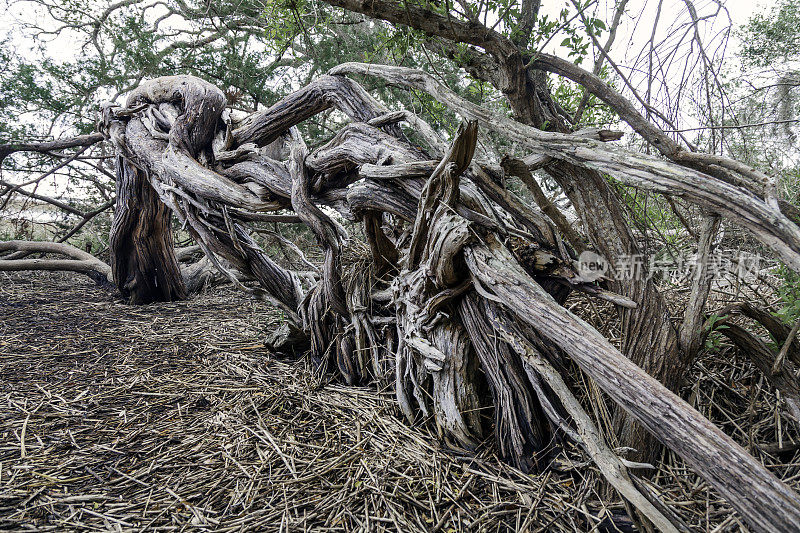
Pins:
<point x="173" y="417"/>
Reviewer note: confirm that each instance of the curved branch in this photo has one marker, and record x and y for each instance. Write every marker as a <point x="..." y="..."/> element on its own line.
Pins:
<point x="321" y="94"/>
<point x="632" y="168"/>
<point x="49" y="146"/>
<point x="763" y="500"/>
<point x="325" y="230"/>
<point x="651" y="133"/>
<point x="80" y="261"/>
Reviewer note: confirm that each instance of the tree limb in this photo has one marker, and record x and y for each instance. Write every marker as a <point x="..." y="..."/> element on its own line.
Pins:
<point x="49" y="146"/>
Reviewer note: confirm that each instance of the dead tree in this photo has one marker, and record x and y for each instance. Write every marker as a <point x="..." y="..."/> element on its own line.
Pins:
<point x="142" y="249"/>
<point x="509" y="63"/>
<point x="457" y="272"/>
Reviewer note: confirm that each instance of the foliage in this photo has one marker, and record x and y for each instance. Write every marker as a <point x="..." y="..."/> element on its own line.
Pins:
<point x="714" y="338"/>
<point x="259" y="50"/>
<point x="789" y="292"/>
<point x="772" y="37"/>
<point x="256" y="50"/>
<point x="596" y="113"/>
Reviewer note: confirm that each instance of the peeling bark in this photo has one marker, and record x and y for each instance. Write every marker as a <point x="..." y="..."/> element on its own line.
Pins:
<point x="143" y="260"/>
<point x="435" y="302"/>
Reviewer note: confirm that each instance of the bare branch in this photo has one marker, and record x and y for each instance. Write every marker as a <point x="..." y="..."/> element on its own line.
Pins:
<point x="79" y="261"/>
<point x="637" y="169"/>
<point x="49" y="146"/>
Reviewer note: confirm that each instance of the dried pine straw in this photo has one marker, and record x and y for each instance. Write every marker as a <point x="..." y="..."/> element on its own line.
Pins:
<point x="173" y="417"/>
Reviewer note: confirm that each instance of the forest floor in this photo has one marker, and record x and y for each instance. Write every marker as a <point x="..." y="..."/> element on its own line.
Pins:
<point x="174" y="417"/>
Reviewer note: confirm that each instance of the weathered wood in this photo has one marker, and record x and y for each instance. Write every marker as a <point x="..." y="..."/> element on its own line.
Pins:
<point x="633" y="168"/>
<point x="321" y="94"/>
<point x="650" y="339"/>
<point x="196" y="276"/>
<point x="519" y="419"/>
<point x="764" y="502"/>
<point x="586" y="433"/>
<point x="455" y="391"/>
<point x="434" y="349"/>
<point x="143" y="260"/>
<point x="211" y="225"/>
<point x="328" y="305"/>
<point x="522" y="169"/>
<point x="79" y="261"/>
<point x="690" y="330"/>
<point x="385" y="257"/>
<point x="434" y="237"/>
<point x="327" y="232"/>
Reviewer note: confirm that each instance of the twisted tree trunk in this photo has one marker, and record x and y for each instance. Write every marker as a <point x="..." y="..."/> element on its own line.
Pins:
<point x="649" y="337"/>
<point x="457" y="274"/>
<point x="143" y="261"/>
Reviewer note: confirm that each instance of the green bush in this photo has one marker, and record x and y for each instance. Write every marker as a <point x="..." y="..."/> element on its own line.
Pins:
<point x="789" y="293"/>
